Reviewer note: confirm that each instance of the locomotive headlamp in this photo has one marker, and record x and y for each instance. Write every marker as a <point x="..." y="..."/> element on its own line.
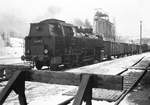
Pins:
<point x="37" y="28"/>
<point x="28" y="51"/>
<point x="45" y="51"/>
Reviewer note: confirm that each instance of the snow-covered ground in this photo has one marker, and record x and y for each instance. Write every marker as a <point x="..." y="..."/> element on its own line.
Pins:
<point x="16" y="49"/>
<point x="44" y="94"/>
<point x="110" y="67"/>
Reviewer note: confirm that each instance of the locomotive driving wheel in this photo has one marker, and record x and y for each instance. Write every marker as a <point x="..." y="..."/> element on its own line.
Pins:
<point x="38" y="65"/>
<point x="54" y="67"/>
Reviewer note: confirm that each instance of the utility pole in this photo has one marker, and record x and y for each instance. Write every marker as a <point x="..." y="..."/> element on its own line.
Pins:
<point x="140" y="36"/>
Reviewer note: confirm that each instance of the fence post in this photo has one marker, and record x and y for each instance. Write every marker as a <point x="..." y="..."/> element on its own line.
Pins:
<point x="88" y="95"/>
<point x="84" y="88"/>
<point x="19" y="88"/>
<point x="16" y="83"/>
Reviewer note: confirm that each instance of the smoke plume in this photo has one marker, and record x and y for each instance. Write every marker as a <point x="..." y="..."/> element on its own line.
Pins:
<point x="80" y="23"/>
<point x="52" y="12"/>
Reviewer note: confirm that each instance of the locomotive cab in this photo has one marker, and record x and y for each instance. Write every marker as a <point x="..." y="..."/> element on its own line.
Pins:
<point x="44" y="44"/>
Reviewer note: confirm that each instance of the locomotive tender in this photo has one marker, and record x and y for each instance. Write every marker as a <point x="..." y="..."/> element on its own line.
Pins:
<point x="54" y="42"/>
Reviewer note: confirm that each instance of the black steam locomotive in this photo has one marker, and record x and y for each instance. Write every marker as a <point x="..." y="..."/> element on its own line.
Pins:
<point x="54" y="42"/>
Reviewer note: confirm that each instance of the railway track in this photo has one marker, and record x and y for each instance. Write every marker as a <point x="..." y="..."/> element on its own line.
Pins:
<point x="63" y="68"/>
<point x="8" y="61"/>
<point x="131" y="79"/>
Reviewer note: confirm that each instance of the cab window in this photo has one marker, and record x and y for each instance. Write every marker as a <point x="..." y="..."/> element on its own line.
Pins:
<point x="55" y="29"/>
<point x="68" y="31"/>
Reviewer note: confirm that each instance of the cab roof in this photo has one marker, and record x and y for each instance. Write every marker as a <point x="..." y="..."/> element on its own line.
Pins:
<point x="48" y="21"/>
<point x="52" y="21"/>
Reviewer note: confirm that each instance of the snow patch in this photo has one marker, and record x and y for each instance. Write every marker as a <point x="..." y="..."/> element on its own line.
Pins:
<point x="15" y="50"/>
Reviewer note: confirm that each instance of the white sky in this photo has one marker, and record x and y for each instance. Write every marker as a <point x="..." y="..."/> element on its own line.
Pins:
<point x="127" y="13"/>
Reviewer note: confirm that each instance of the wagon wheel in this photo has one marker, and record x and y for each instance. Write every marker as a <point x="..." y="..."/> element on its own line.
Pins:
<point x="38" y="65"/>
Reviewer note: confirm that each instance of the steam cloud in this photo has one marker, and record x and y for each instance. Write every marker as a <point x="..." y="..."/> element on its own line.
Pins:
<point x="79" y="22"/>
<point x="11" y="23"/>
<point x="52" y="12"/>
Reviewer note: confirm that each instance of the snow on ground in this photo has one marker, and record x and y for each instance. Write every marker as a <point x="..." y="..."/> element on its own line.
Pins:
<point x="44" y="94"/>
<point x="16" y="50"/>
<point x="13" y="52"/>
<point x="110" y="67"/>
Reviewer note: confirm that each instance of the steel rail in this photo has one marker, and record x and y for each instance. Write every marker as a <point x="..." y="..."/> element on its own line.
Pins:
<point x="131" y="66"/>
<point x="131" y="88"/>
